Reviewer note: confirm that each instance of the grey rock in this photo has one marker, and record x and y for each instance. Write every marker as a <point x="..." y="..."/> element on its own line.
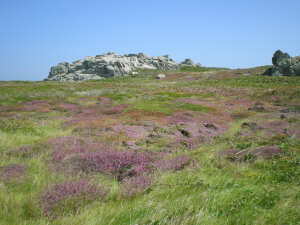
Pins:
<point x="296" y="69"/>
<point x="142" y="55"/>
<point x="160" y="76"/>
<point x="278" y="57"/>
<point x="108" y="65"/>
<point x="187" y="62"/>
<point x="284" y="65"/>
<point x="61" y="68"/>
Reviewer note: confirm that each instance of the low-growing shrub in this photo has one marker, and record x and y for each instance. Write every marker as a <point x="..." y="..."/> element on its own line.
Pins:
<point x="119" y="164"/>
<point x="115" y="110"/>
<point x="70" y="145"/>
<point x="12" y="171"/>
<point x="70" y="197"/>
<point x="25" y="151"/>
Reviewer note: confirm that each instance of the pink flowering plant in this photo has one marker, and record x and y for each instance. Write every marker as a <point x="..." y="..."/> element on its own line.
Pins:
<point x="70" y="197"/>
<point x="119" y="164"/>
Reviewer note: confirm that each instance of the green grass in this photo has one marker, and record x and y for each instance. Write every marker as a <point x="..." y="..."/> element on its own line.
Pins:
<point x="197" y="108"/>
<point x="156" y="104"/>
<point x="201" y="69"/>
<point x="176" y="95"/>
<point x="214" y="191"/>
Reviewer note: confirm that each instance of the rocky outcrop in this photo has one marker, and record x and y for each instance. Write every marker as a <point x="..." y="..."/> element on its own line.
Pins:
<point x="189" y="62"/>
<point x="108" y="65"/>
<point x="284" y="65"/>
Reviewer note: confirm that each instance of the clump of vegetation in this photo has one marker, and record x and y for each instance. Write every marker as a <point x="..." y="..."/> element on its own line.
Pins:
<point x="119" y="164"/>
<point x="69" y="197"/>
<point x="12" y="171"/>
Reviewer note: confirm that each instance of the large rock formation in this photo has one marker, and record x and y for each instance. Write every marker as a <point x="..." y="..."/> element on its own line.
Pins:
<point x="284" y="64"/>
<point x="190" y="63"/>
<point x="108" y="65"/>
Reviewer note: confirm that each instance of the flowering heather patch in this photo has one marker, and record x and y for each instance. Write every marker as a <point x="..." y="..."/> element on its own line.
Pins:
<point x="270" y="129"/>
<point x="69" y="107"/>
<point x="181" y="117"/>
<point x="85" y="115"/>
<point x="36" y="105"/>
<point x="66" y="146"/>
<point x="119" y="164"/>
<point x="239" y="103"/>
<point x="25" y="151"/>
<point x="82" y="120"/>
<point x="275" y="127"/>
<point x="174" y="164"/>
<point x="90" y="111"/>
<point x="70" y="197"/>
<point x="135" y="185"/>
<point x="63" y="141"/>
<point x="60" y="155"/>
<point x="104" y="101"/>
<point x="12" y="171"/>
<point x="198" y="128"/>
<point x="135" y="115"/>
<point x="115" y="110"/>
<point x="133" y="131"/>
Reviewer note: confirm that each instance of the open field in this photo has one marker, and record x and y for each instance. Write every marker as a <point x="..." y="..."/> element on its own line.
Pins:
<point x="210" y="146"/>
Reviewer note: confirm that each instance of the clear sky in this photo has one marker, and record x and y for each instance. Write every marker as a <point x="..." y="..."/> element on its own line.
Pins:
<point x="36" y="34"/>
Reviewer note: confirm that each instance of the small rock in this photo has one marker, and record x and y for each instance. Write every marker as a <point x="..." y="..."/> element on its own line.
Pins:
<point x="161" y="76"/>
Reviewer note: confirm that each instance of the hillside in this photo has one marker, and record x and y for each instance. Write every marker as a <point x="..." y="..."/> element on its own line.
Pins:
<point x="201" y="146"/>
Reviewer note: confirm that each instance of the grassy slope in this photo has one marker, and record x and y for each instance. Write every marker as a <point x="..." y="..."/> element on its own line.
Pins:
<point x="214" y="191"/>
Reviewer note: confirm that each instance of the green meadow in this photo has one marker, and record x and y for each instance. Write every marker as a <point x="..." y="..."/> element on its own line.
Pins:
<point x="209" y="146"/>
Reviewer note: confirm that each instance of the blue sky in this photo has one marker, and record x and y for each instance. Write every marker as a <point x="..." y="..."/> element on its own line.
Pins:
<point x="37" y="34"/>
